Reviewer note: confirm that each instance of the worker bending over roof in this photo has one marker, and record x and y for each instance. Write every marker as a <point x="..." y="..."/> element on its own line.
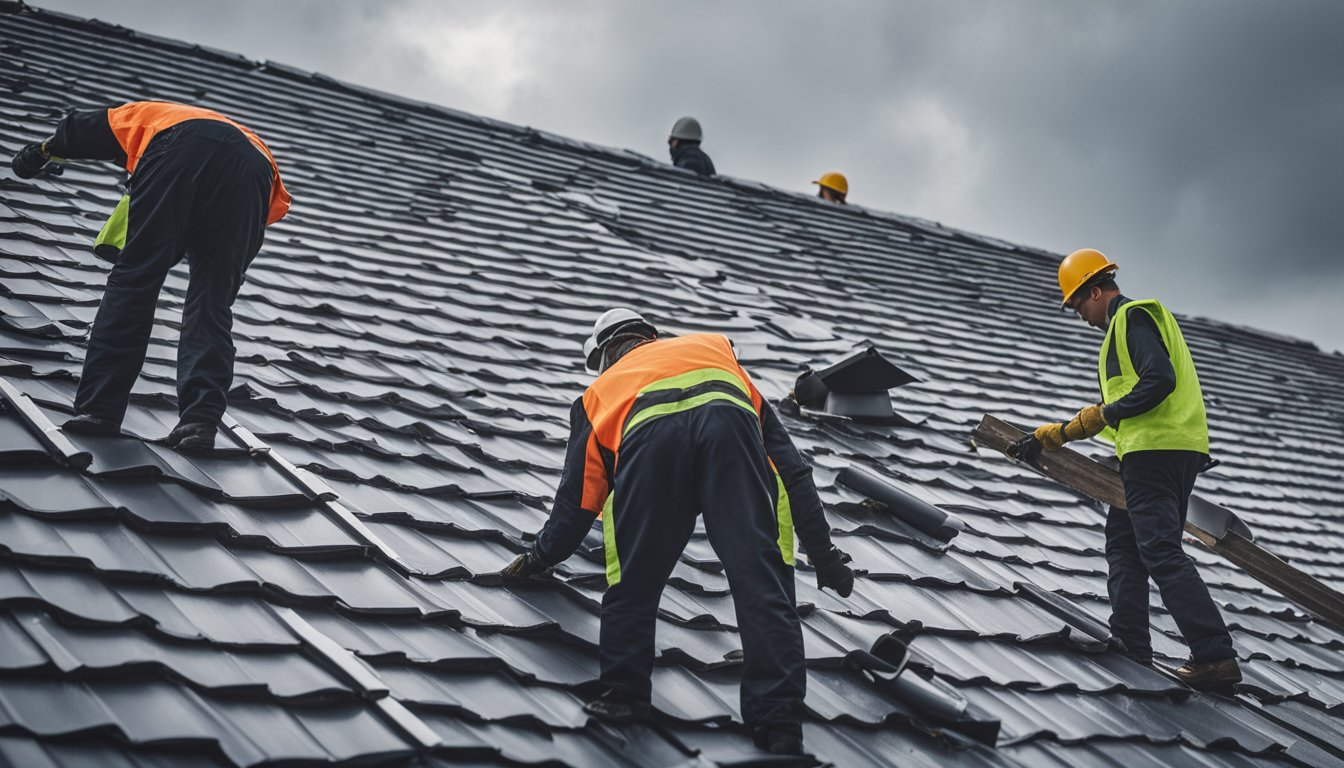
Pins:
<point x="671" y="430"/>
<point x="1153" y="410"/>
<point x="201" y="187"/>
<point x="833" y="187"/>
<point x="684" y="145"/>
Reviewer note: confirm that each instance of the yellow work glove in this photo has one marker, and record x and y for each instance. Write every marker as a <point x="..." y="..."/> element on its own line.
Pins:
<point x="1087" y="423"/>
<point x="1050" y="436"/>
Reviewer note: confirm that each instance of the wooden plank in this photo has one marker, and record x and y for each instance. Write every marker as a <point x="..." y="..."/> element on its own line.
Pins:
<point x="1103" y="483"/>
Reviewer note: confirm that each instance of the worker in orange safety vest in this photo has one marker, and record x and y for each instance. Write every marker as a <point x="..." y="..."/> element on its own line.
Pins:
<point x="202" y="187"/>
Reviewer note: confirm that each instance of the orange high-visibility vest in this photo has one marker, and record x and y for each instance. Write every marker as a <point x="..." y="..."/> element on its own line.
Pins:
<point x="135" y="125"/>
<point x="653" y="380"/>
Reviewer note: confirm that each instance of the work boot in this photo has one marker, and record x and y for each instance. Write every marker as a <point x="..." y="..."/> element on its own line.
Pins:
<point x="192" y="436"/>
<point x="779" y="738"/>
<point x="86" y="424"/>
<point x="614" y="708"/>
<point x="1215" y="676"/>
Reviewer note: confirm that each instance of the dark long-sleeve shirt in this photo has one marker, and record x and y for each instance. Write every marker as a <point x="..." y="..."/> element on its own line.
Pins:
<point x="570" y="521"/>
<point x="691" y="157"/>
<point x="84" y="134"/>
<point x="1157" y="378"/>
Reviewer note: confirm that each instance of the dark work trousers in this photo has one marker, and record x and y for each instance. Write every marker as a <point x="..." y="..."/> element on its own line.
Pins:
<point x="1145" y="541"/>
<point x="200" y="191"/>
<point x="706" y="461"/>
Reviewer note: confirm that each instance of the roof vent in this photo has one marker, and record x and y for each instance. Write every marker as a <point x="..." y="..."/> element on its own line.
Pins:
<point x="930" y="700"/>
<point x="856" y="387"/>
<point x="1217" y="521"/>
<point x="917" y="513"/>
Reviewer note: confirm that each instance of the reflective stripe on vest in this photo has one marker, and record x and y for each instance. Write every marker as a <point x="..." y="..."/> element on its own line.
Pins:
<point x="136" y="124"/>
<point x="1178" y="422"/>
<point x="659" y="379"/>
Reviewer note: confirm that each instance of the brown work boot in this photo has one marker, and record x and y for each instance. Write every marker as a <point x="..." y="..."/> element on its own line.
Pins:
<point x="1214" y="676"/>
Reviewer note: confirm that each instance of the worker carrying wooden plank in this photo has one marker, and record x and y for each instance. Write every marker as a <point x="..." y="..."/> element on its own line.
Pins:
<point x="1152" y="409"/>
<point x="671" y="430"/>
<point x="202" y="187"/>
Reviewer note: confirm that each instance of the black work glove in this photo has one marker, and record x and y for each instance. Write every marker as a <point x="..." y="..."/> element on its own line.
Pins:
<point x="1026" y="448"/>
<point x="28" y="161"/>
<point x="832" y="571"/>
<point x="526" y="566"/>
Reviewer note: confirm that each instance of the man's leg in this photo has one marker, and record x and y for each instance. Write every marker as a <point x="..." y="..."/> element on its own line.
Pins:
<point x="737" y="499"/>
<point x="229" y="220"/>
<point x="1127" y="585"/>
<point x="1157" y="488"/>
<point x="653" y="520"/>
<point x="121" y="329"/>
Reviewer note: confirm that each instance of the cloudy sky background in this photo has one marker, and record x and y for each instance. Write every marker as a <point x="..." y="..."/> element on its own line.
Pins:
<point x="1199" y="143"/>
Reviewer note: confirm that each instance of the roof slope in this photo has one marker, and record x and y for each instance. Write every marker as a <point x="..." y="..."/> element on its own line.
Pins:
<point x="408" y="345"/>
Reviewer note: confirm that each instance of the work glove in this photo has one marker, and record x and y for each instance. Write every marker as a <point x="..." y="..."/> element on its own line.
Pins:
<point x="833" y="572"/>
<point x="28" y="162"/>
<point x="1050" y="436"/>
<point x="1028" y="448"/>
<point x="1089" y="422"/>
<point x="526" y="566"/>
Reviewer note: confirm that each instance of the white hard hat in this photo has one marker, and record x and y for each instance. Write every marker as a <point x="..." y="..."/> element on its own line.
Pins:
<point x="686" y="129"/>
<point x="608" y="323"/>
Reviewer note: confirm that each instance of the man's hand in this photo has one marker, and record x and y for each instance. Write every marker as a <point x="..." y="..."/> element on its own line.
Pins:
<point x="832" y="571"/>
<point x="1088" y="423"/>
<point x="1026" y="448"/>
<point x="1050" y="436"/>
<point x="28" y="162"/>
<point x="526" y="566"/>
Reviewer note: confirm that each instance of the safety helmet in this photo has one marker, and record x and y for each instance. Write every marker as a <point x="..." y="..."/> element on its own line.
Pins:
<point x="1081" y="267"/>
<point x="608" y="325"/>
<point x="686" y="129"/>
<point x="835" y="181"/>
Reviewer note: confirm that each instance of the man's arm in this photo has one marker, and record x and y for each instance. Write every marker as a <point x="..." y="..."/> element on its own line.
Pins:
<point x="1157" y="378"/>
<point x="85" y="134"/>
<point x="582" y="481"/>
<point x="809" y="519"/>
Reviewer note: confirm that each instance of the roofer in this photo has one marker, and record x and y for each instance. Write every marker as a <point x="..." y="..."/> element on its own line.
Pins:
<point x="833" y="187"/>
<point x="202" y="187"/>
<point x="684" y="145"/>
<point x="1153" y="410"/>
<point x="673" y="429"/>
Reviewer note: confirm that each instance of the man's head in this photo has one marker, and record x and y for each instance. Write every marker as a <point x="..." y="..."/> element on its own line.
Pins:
<point x="832" y="187"/>
<point x="685" y="131"/>
<point x="1092" y="301"/>
<point x="1087" y="281"/>
<point x="616" y="332"/>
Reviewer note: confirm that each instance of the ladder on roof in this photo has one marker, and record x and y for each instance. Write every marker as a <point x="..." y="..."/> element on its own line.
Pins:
<point x="1215" y="527"/>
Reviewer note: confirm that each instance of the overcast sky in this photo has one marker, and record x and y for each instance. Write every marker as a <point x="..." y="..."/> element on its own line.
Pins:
<point x="1199" y="143"/>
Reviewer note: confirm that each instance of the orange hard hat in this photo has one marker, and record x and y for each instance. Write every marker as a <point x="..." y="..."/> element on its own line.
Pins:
<point x="1080" y="267"/>
<point x="834" y="180"/>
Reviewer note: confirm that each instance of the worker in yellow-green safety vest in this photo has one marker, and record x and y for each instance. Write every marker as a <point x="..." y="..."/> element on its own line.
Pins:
<point x="1153" y="411"/>
<point x="673" y="429"/>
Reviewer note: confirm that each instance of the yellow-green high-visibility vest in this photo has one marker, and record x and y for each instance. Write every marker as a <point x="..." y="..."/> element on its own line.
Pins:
<point x="1175" y="424"/>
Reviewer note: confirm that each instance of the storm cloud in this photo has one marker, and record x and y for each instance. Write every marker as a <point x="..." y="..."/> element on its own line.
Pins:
<point x="1199" y="143"/>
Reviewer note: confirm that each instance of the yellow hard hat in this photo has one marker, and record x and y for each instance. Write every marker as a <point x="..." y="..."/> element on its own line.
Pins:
<point x="1079" y="267"/>
<point x="834" y="180"/>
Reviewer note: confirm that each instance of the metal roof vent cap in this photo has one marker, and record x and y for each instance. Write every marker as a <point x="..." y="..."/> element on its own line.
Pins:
<point x="857" y="387"/>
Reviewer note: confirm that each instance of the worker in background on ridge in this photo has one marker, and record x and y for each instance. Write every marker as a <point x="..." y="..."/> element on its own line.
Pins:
<point x="673" y="429"/>
<point x="684" y="145"/>
<point x="833" y="187"/>
<point x="1153" y="410"/>
<point x="202" y="187"/>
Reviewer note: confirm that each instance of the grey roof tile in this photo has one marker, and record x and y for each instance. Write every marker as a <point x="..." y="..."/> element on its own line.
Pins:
<point x="412" y="344"/>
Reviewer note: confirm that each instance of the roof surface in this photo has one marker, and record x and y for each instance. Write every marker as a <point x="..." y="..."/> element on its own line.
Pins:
<point x="408" y="344"/>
